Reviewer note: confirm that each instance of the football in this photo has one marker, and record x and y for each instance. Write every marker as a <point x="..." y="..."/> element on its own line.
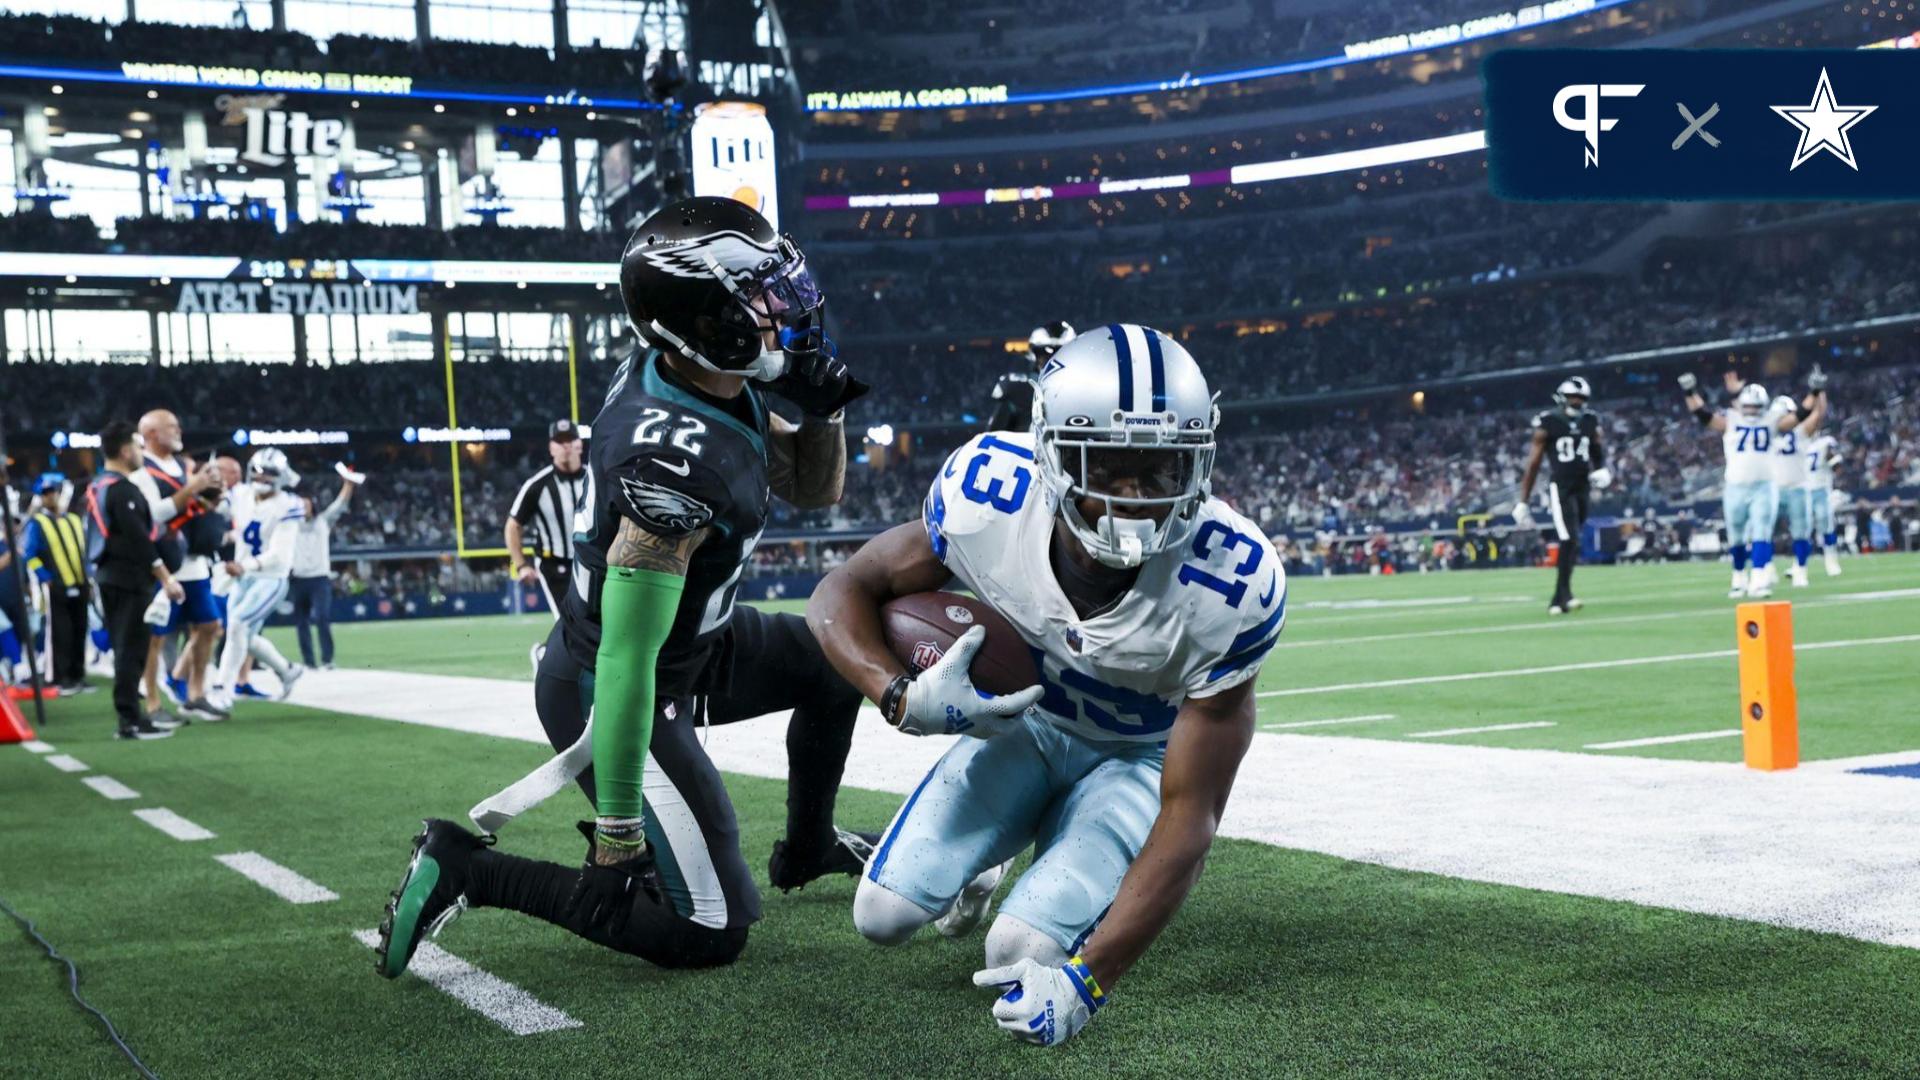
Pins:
<point x="921" y="627"/>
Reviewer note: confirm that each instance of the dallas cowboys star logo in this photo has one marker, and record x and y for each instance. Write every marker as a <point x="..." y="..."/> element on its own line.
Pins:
<point x="1823" y="125"/>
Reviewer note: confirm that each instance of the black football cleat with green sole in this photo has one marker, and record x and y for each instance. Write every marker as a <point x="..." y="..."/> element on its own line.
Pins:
<point x="432" y="894"/>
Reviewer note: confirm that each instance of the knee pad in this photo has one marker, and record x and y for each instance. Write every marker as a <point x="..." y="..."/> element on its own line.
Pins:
<point x="1011" y="940"/>
<point x="885" y="917"/>
<point x="702" y="947"/>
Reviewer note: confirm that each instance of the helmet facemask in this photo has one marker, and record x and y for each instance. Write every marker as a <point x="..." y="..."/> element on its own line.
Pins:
<point x="1132" y="468"/>
<point x="781" y="295"/>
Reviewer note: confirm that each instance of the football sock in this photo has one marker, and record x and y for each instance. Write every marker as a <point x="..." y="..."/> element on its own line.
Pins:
<point x="1762" y="554"/>
<point x="10" y="646"/>
<point x="819" y="737"/>
<point x="267" y="653"/>
<point x="1739" y="552"/>
<point x="1802" y="549"/>
<point x="654" y="931"/>
<point x="1830" y="540"/>
<point x="234" y="653"/>
<point x="1569" y="556"/>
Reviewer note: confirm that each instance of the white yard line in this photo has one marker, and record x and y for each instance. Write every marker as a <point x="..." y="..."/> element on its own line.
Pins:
<point x="65" y="762"/>
<point x="492" y="997"/>
<point x="1724" y="611"/>
<point x="275" y="878"/>
<point x="173" y="824"/>
<point x="111" y="788"/>
<point x="1447" y="733"/>
<point x="35" y="746"/>
<point x="1810" y="848"/>
<point x="1324" y="723"/>
<point x="1662" y="740"/>
<point x="1589" y="665"/>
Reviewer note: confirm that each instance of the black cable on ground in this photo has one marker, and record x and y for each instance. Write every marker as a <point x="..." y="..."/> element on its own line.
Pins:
<point x="73" y="987"/>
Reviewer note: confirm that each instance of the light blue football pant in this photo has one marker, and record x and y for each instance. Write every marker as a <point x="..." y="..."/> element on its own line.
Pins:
<point x="1752" y="510"/>
<point x="1086" y="806"/>
<point x="1798" y="503"/>
<point x="248" y="607"/>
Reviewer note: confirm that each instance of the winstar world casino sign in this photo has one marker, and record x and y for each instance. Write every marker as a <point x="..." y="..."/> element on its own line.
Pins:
<point x="296" y="298"/>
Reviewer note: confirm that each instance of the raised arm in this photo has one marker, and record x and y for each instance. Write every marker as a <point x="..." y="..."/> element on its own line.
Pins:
<point x="807" y="465"/>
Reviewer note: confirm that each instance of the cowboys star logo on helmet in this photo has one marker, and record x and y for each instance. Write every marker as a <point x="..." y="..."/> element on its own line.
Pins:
<point x="730" y="252"/>
<point x="664" y="507"/>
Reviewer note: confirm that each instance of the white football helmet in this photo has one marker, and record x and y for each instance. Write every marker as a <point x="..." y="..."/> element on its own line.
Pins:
<point x="1573" y="387"/>
<point x="1753" y="399"/>
<point x="1123" y="416"/>
<point x="268" y="470"/>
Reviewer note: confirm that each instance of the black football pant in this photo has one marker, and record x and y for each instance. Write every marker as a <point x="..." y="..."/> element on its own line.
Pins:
<point x="127" y="629"/>
<point x="709" y="895"/>
<point x="556" y="577"/>
<point x="67" y="627"/>
<point x="1569" y="510"/>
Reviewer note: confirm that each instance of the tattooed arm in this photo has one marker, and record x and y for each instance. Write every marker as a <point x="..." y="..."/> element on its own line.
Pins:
<point x="806" y="465"/>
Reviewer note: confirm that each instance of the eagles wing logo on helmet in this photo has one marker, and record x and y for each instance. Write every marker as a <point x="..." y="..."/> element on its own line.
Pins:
<point x="734" y="252"/>
<point x="664" y="508"/>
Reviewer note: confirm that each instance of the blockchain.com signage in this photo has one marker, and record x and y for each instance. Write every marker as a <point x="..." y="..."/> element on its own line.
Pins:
<point x="296" y="298"/>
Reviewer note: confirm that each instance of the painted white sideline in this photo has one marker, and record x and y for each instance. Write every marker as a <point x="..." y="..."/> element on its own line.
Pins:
<point x="65" y="762"/>
<point x="173" y="824"/>
<point x="111" y="788"/>
<point x="35" y="746"/>
<point x="1324" y="723"/>
<point x="1446" y="733"/>
<point x="492" y="997"/>
<point x="275" y="878"/>
<point x="1662" y="740"/>
<point x="1810" y="848"/>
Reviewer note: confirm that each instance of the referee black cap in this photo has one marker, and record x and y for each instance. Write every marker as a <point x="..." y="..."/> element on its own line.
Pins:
<point x="563" y="431"/>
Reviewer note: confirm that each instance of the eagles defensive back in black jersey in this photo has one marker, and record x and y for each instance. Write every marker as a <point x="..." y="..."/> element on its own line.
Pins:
<point x="1567" y="438"/>
<point x="650" y="645"/>
<point x="1013" y="392"/>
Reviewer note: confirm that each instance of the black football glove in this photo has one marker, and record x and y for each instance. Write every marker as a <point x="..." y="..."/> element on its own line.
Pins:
<point x="816" y="378"/>
<point x="605" y="892"/>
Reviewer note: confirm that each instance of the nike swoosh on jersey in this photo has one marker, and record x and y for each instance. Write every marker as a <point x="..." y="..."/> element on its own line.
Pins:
<point x="1272" y="584"/>
<point x="683" y="469"/>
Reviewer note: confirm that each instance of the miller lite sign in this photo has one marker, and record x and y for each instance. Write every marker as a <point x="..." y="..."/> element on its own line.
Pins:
<point x="276" y="135"/>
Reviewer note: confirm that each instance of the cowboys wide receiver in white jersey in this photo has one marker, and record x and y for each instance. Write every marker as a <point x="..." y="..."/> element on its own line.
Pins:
<point x="266" y="524"/>
<point x="1148" y="606"/>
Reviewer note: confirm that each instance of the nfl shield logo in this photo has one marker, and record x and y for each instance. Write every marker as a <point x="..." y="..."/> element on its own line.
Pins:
<point x="1073" y="639"/>
<point x="925" y="655"/>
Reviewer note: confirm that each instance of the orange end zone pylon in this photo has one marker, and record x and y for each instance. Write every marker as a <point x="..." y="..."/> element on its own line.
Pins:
<point x="1769" y="703"/>
<point x="13" y="725"/>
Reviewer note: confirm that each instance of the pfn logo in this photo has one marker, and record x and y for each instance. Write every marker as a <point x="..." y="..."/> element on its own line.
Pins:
<point x="1589" y="123"/>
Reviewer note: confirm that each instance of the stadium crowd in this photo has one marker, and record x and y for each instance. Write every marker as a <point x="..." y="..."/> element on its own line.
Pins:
<point x="71" y="38"/>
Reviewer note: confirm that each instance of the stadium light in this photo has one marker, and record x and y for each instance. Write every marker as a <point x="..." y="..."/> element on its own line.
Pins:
<point x="881" y="434"/>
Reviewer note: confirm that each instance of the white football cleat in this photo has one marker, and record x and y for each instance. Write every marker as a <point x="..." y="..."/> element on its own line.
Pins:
<point x="1574" y="603"/>
<point x="1833" y="562"/>
<point x="294" y="671"/>
<point x="1556" y="609"/>
<point x="971" y="906"/>
<point x="1759" y="589"/>
<point x="1799" y="575"/>
<point x="1739" y="586"/>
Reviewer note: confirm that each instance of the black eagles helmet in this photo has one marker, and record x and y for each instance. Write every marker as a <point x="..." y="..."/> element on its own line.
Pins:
<point x="699" y="276"/>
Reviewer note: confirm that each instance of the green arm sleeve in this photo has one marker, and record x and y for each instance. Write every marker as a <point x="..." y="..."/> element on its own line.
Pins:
<point x="637" y="608"/>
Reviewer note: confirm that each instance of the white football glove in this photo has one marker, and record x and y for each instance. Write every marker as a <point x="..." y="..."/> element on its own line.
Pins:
<point x="942" y="700"/>
<point x="1689" y="381"/>
<point x="1601" y="478"/>
<point x="349" y="474"/>
<point x="1817" y="380"/>
<point x="1523" y="514"/>
<point x="1042" y="1005"/>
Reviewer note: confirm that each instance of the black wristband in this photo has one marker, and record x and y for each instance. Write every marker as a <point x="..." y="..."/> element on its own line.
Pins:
<point x="890" y="699"/>
<point x="1704" y="415"/>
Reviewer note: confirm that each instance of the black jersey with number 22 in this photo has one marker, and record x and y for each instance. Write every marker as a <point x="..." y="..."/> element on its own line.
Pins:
<point x="675" y="461"/>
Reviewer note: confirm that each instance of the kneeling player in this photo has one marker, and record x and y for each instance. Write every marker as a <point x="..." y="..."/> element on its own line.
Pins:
<point x="649" y="645"/>
<point x="1148" y="606"/>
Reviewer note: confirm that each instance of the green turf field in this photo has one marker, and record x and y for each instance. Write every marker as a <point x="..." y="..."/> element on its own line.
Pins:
<point x="1284" y="964"/>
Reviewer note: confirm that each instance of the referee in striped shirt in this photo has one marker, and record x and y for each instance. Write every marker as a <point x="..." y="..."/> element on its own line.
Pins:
<point x="542" y="516"/>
